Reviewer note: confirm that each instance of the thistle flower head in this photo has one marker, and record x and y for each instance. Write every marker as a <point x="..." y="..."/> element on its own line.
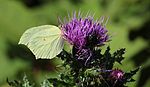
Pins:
<point x="84" y="32"/>
<point x="117" y="74"/>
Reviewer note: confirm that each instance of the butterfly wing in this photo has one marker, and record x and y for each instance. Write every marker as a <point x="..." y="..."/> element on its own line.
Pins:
<point x="44" y="41"/>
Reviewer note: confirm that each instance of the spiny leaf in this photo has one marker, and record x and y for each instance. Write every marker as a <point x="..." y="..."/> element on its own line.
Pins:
<point x="118" y="55"/>
<point x="128" y="76"/>
<point x="108" y="60"/>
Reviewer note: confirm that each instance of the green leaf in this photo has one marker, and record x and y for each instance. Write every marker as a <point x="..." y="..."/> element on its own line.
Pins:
<point x="44" y="41"/>
<point x="118" y="55"/>
<point x="128" y="76"/>
<point x="46" y="83"/>
<point x="26" y="82"/>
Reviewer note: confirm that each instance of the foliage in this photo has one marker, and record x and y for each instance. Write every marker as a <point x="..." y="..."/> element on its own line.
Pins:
<point x="24" y="83"/>
<point x="96" y="74"/>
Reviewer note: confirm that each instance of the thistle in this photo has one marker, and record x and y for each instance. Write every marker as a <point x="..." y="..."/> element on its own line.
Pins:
<point x="84" y="34"/>
<point x="117" y="74"/>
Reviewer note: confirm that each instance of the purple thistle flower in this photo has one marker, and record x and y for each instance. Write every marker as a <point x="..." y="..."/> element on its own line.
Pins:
<point x="117" y="74"/>
<point x="116" y="78"/>
<point x="84" y="32"/>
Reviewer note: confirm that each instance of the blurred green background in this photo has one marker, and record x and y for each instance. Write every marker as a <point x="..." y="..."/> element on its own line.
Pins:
<point x="129" y="26"/>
